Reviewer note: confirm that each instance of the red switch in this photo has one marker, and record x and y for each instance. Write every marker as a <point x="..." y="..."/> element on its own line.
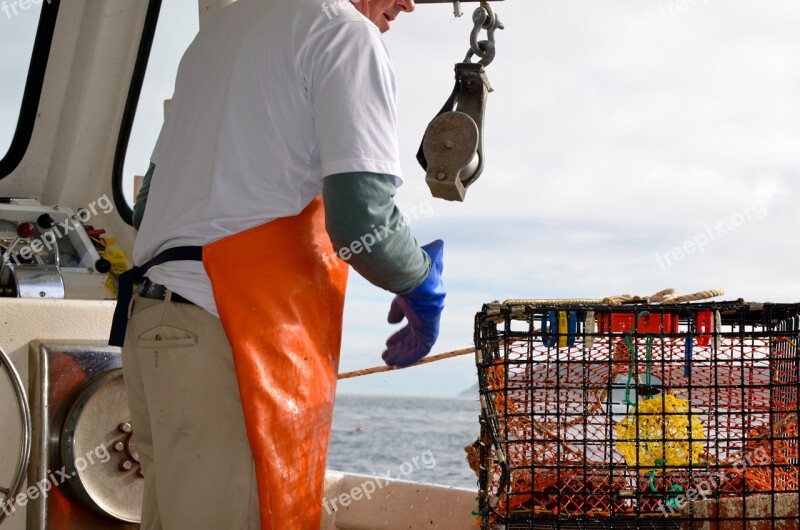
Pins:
<point x="26" y="230"/>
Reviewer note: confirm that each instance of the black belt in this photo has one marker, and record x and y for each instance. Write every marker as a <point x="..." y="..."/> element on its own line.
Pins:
<point x="150" y="289"/>
<point x="135" y="275"/>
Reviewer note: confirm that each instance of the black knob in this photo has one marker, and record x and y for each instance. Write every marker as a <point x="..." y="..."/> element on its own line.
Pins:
<point x="45" y="221"/>
<point x="102" y="265"/>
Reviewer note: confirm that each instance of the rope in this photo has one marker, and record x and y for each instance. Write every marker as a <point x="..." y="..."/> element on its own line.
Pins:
<point x="555" y="302"/>
<point x="702" y="295"/>
<point x="666" y="296"/>
<point x="426" y="360"/>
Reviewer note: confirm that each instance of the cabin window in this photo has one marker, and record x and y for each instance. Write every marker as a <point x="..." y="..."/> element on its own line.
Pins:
<point x="26" y="32"/>
<point x="169" y="29"/>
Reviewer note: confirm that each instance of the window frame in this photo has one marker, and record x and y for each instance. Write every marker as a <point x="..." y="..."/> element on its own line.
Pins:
<point x="32" y="95"/>
<point x="129" y="115"/>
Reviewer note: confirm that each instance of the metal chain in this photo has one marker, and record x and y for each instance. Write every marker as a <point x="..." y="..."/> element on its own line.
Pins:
<point x="484" y="19"/>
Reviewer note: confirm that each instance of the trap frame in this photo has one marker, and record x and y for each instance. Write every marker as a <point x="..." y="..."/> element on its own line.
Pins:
<point x="637" y="415"/>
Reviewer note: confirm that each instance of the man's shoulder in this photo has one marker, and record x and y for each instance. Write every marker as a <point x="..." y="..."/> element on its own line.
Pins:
<point x="339" y="26"/>
<point x="317" y="13"/>
<point x="341" y="13"/>
<point x="297" y="15"/>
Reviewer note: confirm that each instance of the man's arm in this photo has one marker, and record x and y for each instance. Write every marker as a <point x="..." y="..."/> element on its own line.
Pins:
<point x="368" y="231"/>
<point x="141" y="199"/>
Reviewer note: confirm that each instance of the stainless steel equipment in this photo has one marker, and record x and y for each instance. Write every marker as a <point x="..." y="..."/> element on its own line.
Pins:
<point x="84" y="453"/>
<point x="47" y="253"/>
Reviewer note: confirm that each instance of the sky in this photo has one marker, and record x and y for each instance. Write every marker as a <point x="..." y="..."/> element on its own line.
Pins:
<point x="631" y="145"/>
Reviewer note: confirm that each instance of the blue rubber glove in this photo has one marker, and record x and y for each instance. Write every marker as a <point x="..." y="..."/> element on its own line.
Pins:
<point x="422" y="307"/>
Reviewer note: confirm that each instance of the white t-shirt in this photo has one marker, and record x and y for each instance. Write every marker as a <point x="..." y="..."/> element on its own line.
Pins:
<point x="271" y="97"/>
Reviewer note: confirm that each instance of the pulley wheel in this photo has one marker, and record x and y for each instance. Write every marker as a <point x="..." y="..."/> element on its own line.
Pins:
<point x="451" y="145"/>
<point x="99" y="452"/>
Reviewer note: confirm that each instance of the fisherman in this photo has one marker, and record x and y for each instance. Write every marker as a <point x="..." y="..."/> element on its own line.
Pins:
<point x="280" y="149"/>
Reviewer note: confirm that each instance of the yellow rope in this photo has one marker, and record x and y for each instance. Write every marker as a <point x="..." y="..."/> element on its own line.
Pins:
<point x="426" y="360"/>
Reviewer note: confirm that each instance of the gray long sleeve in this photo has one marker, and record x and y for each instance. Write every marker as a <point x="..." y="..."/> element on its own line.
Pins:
<point x="141" y="199"/>
<point x="368" y="231"/>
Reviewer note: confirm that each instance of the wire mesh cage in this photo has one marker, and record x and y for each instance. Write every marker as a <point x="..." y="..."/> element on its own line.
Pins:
<point x="676" y="416"/>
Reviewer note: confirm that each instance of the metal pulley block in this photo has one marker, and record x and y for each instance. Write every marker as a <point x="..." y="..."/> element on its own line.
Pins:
<point x="451" y="152"/>
<point x="452" y="148"/>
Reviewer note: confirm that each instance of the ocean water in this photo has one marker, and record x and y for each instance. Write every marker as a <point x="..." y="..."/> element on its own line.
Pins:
<point x="410" y="438"/>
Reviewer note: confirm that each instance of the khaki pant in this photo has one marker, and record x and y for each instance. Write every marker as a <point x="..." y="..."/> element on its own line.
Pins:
<point x="187" y="420"/>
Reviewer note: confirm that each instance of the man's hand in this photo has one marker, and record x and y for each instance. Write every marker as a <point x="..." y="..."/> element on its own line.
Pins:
<point x="422" y="307"/>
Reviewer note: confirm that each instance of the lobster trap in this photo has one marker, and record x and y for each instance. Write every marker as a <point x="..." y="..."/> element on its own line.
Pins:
<point x="670" y="416"/>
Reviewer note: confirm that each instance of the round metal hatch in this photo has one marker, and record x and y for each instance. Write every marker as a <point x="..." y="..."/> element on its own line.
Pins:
<point x="99" y="452"/>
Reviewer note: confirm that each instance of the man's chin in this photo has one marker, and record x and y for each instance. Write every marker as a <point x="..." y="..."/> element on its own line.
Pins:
<point x="384" y="24"/>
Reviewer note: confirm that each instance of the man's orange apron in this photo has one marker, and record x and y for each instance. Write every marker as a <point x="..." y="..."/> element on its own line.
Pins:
<point x="281" y="306"/>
